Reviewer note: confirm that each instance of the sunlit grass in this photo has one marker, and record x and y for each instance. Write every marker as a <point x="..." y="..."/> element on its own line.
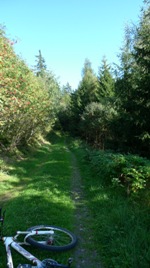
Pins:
<point x="36" y="190"/>
<point x="120" y="224"/>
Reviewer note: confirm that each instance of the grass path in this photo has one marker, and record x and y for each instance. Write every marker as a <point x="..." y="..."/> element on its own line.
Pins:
<point x="36" y="190"/>
<point x="85" y="252"/>
<point x="45" y="188"/>
<point x="54" y="184"/>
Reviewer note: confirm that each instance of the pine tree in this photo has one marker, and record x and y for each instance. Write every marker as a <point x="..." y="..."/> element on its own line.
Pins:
<point x="40" y="67"/>
<point x="105" y="81"/>
<point x="88" y="87"/>
<point x="132" y="88"/>
<point x="141" y="94"/>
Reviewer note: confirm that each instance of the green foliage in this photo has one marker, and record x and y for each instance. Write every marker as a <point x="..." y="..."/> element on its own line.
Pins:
<point x="95" y="123"/>
<point x="64" y="113"/>
<point x="131" y="172"/>
<point x="120" y="225"/>
<point x="106" y="81"/>
<point x="50" y="84"/>
<point x="25" y="107"/>
<point x="132" y="88"/>
<point x="85" y="94"/>
<point x="126" y="95"/>
<point x="40" y="66"/>
<point x="142" y="94"/>
<point x="88" y="87"/>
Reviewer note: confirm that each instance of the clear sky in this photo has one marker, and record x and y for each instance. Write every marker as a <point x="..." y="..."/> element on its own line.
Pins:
<point x="68" y="31"/>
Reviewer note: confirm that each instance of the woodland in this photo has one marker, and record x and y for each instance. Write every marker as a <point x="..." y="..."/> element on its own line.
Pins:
<point x="103" y="125"/>
<point x="109" y="110"/>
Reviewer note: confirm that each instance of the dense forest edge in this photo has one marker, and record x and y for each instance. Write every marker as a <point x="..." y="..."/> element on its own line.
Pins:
<point x="105" y="122"/>
<point x="109" y="110"/>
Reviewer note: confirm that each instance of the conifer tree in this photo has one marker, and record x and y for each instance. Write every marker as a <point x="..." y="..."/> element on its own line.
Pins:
<point x="88" y="87"/>
<point x="141" y="94"/>
<point x="105" y="81"/>
<point x="40" y="67"/>
<point x="132" y="87"/>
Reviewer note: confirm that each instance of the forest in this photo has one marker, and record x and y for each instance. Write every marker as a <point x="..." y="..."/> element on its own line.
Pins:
<point x="109" y="110"/>
<point x="100" y="131"/>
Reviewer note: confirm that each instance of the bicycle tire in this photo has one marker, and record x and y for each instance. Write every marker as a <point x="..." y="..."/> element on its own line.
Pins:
<point x="62" y="240"/>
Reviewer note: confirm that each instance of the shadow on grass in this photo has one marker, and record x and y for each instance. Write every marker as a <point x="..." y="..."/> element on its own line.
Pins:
<point x="29" y="210"/>
<point x="54" y="137"/>
<point x="38" y="192"/>
<point x="42" y="184"/>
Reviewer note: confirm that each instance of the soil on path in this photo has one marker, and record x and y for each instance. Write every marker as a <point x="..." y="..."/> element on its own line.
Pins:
<point x="85" y="253"/>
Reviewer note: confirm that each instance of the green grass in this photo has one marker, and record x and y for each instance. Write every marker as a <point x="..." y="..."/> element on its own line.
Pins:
<point x="121" y="224"/>
<point x="36" y="190"/>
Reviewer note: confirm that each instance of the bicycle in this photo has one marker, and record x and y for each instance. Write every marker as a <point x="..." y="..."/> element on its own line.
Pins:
<point x="45" y="237"/>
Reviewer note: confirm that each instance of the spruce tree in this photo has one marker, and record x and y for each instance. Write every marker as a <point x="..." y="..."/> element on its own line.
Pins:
<point x="88" y="87"/>
<point x="132" y="88"/>
<point x="105" y="81"/>
<point x="141" y="94"/>
<point x="40" y="67"/>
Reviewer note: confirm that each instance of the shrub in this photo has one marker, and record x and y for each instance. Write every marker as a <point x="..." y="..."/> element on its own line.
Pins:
<point x="129" y="171"/>
<point x="24" y="103"/>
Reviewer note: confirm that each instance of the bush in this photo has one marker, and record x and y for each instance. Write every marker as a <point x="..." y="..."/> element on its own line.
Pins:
<point x="24" y="103"/>
<point x="129" y="171"/>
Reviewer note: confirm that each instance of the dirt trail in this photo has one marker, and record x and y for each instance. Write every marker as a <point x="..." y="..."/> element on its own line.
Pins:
<point x="85" y="253"/>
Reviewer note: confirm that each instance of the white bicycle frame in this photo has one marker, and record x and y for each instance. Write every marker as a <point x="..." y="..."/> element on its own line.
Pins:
<point x="11" y="242"/>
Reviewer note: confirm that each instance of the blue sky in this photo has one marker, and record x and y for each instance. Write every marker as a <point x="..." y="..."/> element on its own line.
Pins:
<point x="68" y="31"/>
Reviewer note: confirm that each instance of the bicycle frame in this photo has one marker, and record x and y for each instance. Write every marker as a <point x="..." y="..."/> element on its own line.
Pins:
<point x="9" y="242"/>
<point x="16" y="245"/>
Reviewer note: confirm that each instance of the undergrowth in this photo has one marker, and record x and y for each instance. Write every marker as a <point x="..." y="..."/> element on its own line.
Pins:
<point x="120" y="218"/>
<point x="130" y="172"/>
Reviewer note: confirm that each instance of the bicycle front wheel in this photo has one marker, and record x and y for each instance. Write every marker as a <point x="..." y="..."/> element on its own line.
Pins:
<point x="60" y="239"/>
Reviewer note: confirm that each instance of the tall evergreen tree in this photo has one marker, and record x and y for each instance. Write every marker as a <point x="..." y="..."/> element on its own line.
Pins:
<point x="125" y="71"/>
<point x="88" y="87"/>
<point x="106" y="82"/>
<point x="124" y="85"/>
<point x="85" y="94"/>
<point x="66" y="96"/>
<point x="142" y="93"/>
<point x="40" y="67"/>
<point x="64" y="114"/>
<point x="132" y="87"/>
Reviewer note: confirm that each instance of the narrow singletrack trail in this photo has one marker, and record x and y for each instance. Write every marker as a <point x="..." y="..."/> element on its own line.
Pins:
<point x="86" y="255"/>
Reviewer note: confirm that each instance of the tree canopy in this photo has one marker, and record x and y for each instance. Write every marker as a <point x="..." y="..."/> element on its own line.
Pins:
<point x="109" y="109"/>
<point x="125" y="92"/>
<point x="26" y="108"/>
